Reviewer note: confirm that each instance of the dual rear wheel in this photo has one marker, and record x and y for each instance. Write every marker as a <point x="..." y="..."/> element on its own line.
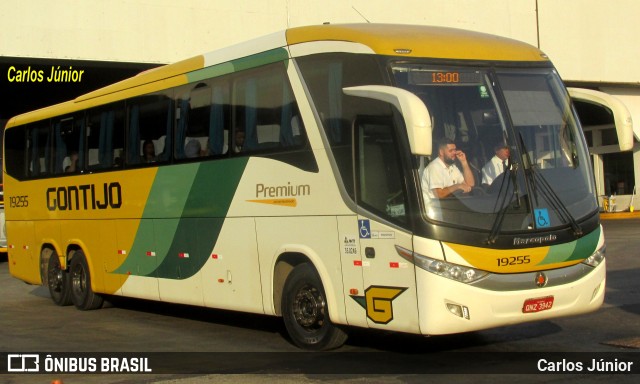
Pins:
<point x="72" y="286"/>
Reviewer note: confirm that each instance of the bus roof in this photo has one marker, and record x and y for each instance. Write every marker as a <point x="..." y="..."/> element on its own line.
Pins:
<point x="384" y="39"/>
<point x="421" y="41"/>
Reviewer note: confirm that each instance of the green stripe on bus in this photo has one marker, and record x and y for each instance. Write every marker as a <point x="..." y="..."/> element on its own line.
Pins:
<point x="183" y="218"/>
<point x="268" y="57"/>
<point x="575" y="250"/>
<point x="209" y="72"/>
<point x="166" y="199"/>
<point x="586" y="246"/>
<point x="207" y="205"/>
<point x="170" y="191"/>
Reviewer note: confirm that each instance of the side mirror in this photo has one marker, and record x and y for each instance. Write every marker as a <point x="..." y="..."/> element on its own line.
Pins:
<point x="415" y="114"/>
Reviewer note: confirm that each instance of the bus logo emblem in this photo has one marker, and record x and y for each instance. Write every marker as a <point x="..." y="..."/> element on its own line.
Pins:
<point x="378" y="302"/>
<point x="541" y="279"/>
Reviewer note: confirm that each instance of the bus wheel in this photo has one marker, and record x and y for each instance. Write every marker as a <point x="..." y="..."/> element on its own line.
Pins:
<point x="305" y="313"/>
<point x="58" y="281"/>
<point x="81" y="294"/>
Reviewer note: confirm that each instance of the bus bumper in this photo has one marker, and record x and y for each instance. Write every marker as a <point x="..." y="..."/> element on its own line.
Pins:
<point x="447" y="306"/>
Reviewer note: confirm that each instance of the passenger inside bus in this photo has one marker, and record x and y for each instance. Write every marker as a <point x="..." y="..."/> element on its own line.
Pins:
<point x="194" y="149"/>
<point x="148" y="152"/>
<point x="239" y="141"/>
<point x="70" y="163"/>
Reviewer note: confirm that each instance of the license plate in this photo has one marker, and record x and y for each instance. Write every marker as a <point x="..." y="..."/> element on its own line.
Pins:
<point x="537" y="305"/>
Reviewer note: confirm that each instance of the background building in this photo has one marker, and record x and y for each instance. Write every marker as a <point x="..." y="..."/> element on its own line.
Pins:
<point x="591" y="42"/>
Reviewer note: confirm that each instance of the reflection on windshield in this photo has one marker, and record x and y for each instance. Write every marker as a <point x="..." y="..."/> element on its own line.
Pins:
<point x="476" y="175"/>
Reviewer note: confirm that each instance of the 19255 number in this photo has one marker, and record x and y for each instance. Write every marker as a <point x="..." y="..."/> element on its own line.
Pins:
<point x="19" y="201"/>
<point x="515" y="260"/>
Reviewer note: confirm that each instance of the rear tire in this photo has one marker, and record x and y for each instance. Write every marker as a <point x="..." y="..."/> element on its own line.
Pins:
<point x="305" y="312"/>
<point x="58" y="281"/>
<point x="82" y="295"/>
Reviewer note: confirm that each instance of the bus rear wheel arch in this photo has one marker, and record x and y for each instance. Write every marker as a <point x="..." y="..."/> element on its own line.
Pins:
<point x="82" y="295"/>
<point x="305" y="311"/>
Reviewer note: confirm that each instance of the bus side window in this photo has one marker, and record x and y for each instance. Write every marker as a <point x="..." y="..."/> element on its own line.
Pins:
<point x="202" y="119"/>
<point x="105" y="137"/>
<point x="150" y="118"/>
<point x="16" y="159"/>
<point x="265" y="112"/>
<point x="39" y="149"/>
<point x="69" y="145"/>
<point x="379" y="169"/>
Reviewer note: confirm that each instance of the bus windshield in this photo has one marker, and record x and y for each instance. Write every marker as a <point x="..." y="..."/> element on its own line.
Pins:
<point x="521" y="143"/>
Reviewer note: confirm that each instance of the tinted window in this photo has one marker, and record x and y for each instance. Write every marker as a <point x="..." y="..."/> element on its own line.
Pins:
<point x="265" y="114"/>
<point x="150" y="125"/>
<point x="379" y="170"/>
<point x="69" y="151"/>
<point x="251" y="112"/>
<point x="39" y="149"/>
<point x="325" y="75"/>
<point x="15" y="156"/>
<point x="203" y="119"/>
<point x="105" y="137"/>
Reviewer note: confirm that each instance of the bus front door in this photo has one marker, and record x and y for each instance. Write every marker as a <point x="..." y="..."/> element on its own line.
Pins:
<point x="389" y="292"/>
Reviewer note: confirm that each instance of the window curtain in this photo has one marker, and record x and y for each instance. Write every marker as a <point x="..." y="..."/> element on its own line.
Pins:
<point x="82" y="143"/>
<point x="167" y="133"/>
<point x="61" y="149"/>
<point x="105" y="154"/>
<point x="181" y="131"/>
<point x="216" y="122"/>
<point x="251" y="114"/>
<point x="35" y="148"/>
<point x="47" y="151"/>
<point x="133" y="148"/>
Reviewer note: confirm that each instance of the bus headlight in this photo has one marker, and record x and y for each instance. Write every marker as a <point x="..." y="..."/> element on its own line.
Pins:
<point x="597" y="257"/>
<point x="442" y="268"/>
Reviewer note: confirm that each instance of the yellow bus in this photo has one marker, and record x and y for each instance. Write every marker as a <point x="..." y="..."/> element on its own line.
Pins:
<point x="3" y="230"/>
<point x="288" y="176"/>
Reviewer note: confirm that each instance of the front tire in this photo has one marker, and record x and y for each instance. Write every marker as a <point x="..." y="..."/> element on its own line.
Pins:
<point x="58" y="281"/>
<point x="82" y="295"/>
<point x="305" y="312"/>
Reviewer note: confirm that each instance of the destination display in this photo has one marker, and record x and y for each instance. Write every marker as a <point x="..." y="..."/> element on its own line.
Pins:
<point x="422" y="77"/>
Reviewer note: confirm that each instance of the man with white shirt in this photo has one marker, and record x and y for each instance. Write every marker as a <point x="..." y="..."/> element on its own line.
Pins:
<point x="497" y="164"/>
<point x="442" y="177"/>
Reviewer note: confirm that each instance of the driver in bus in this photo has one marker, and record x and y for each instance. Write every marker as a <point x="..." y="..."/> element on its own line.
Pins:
<point x="497" y="164"/>
<point x="442" y="177"/>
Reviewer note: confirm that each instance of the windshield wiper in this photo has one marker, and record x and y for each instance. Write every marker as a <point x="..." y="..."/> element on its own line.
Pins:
<point x="547" y="191"/>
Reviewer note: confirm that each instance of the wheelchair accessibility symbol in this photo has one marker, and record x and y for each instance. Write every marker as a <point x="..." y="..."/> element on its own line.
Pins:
<point x="542" y="218"/>
<point x="364" y="227"/>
